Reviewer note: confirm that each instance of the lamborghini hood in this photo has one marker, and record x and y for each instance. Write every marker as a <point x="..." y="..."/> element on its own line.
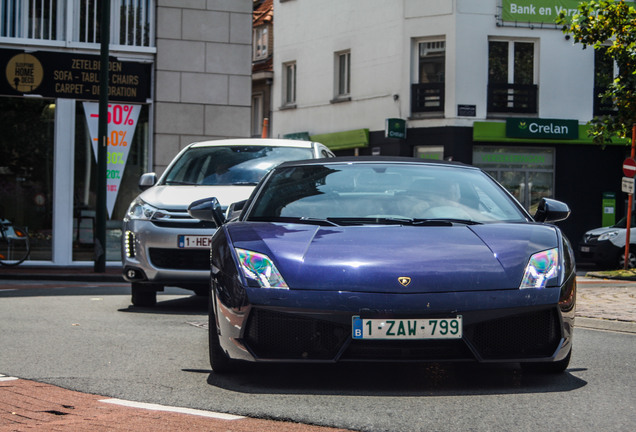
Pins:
<point x="374" y="258"/>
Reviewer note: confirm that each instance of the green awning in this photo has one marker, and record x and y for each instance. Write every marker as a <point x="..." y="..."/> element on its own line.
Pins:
<point x="496" y="132"/>
<point x="344" y="140"/>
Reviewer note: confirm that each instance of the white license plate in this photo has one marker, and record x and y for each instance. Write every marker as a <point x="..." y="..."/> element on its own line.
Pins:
<point x="416" y="328"/>
<point x="585" y="248"/>
<point x="194" y="241"/>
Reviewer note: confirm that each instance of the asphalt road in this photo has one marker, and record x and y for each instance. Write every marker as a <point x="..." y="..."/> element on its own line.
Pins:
<point x="87" y="337"/>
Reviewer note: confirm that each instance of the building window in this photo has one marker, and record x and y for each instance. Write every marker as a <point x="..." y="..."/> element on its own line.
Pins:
<point x="342" y="75"/>
<point x="526" y="172"/>
<point x="260" y="43"/>
<point x="132" y="22"/>
<point x="511" y="77"/>
<point x="26" y="169"/>
<point x="289" y="84"/>
<point x="604" y="74"/>
<point x="427" y="93"/>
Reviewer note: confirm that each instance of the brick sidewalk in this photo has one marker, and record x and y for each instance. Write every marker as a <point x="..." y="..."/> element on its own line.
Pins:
<point x="31" y="406"/>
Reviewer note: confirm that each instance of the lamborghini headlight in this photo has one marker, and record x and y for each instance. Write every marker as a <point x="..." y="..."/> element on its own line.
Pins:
<point x="541" y="269"/>
<point x="259" y="267"/>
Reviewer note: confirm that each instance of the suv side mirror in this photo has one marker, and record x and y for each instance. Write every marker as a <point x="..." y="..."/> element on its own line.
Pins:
<point x="550" y="210"/>
<point x="207" y="209"/>
<point x="147" y="180"/>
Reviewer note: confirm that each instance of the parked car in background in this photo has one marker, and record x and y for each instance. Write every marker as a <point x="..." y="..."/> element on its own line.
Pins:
<point x="162" y="244"/>
<point x="388" y="259"/>
<point x="605" y="246"/>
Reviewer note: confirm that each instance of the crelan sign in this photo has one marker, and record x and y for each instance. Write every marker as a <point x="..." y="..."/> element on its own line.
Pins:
<point x="533" y="128"/>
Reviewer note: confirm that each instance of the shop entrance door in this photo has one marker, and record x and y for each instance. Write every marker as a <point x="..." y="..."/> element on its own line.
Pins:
<point x="527" y="173"/>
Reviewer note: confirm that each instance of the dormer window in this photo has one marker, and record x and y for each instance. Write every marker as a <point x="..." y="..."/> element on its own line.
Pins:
<point x="260" y="47"/>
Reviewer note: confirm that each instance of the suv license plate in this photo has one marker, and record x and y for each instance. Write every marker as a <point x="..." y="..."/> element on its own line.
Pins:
<point x="194" y="241"/>
<point x="416" y="328"/>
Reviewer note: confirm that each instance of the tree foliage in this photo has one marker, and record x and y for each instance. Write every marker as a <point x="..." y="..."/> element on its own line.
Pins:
<point x="609" y="25"/>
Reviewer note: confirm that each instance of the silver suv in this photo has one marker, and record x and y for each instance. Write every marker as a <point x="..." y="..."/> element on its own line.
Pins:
<point x="161" y="243"/>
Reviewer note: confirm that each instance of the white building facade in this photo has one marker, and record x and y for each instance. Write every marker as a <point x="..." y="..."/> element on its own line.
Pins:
<point x="179" y="72"/>
<point x="493" y="83"/>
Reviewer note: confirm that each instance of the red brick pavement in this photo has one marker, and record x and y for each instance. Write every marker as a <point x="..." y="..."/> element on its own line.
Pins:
<point x="31" y="406"/>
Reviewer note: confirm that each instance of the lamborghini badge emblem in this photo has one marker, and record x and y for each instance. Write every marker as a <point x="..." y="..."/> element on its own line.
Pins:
<point x="404" y="280"/>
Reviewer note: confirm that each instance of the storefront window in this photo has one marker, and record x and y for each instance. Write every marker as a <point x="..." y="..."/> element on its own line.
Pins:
<point x="26" y="169"/>
<point x="527" y="173"/>
<point x="85" y="172"/>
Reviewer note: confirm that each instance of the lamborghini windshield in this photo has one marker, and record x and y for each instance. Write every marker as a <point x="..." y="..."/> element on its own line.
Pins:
<point x="358" y="193"/>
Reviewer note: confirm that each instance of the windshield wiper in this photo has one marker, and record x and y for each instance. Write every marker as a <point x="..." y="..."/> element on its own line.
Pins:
<point x="402" y="221"/>
<point x="175" y="182"/>
<point x="444" y="221"/>
<point x="318" y="221"/>
<point x="291" y="219"/>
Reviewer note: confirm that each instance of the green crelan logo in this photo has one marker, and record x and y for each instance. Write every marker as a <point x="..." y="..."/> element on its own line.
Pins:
<point x="542" y="128"/>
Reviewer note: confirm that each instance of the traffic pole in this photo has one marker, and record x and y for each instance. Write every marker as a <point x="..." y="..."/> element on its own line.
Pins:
<point x="102" y="143"/>
<point x="630" y="201"/>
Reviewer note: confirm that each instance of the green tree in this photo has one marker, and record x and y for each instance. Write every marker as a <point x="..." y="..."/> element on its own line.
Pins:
<point x="610" y="26"/>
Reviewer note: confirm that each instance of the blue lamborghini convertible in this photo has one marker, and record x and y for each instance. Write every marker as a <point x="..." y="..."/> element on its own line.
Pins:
<point x="388" y="259"/>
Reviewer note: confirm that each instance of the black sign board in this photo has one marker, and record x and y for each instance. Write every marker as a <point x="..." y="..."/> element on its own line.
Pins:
<point x="73" y="76"/>
<point x="466" y="110"/>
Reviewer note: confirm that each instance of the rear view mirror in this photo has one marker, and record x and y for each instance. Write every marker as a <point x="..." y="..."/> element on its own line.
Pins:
<point x="147" y="180"/>
<point x="550" y="210"/>
<point x="207" y="209"/>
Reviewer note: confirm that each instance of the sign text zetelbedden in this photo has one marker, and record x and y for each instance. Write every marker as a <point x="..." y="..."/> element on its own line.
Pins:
<point x="75" y="76"/>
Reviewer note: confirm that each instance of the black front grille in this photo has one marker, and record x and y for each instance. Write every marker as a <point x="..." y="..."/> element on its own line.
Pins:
<point x="422" y="350"/>
<point x="274" y="335"/>
<point x="176" y="259"/>
<point x="534" y="334"/>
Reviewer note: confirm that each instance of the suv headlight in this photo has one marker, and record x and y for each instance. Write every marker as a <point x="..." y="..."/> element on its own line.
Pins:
<point x="259" y="268"/>
<point x="141" y="210"/>
<point x="541" y="269"/>
<point x="608" y="235"/>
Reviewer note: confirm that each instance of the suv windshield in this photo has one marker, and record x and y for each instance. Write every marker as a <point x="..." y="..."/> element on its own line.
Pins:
<point x="230" y="165"/>
<point x="383" y="193"/>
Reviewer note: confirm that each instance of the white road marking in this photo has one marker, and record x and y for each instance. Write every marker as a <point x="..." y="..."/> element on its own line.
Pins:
<point x="156" y="407"/>
<point x="7" y="378"/>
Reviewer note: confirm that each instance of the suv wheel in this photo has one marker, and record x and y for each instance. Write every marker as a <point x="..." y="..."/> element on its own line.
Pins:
<point x="631" y="258"/>
<point x="143" y="295"/>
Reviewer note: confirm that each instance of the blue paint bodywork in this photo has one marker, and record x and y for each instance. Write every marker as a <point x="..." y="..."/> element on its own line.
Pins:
<point x="336" y="272"/>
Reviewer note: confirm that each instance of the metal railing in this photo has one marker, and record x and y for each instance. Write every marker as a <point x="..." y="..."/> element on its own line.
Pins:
<point x="77" y="21"/>
<point x="428" y="97"/>
<point x="512" y="98"/>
